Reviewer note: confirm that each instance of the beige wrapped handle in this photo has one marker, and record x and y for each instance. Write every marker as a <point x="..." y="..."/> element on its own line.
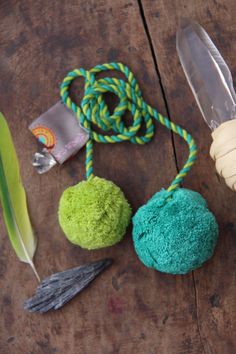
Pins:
<point x="223" y="151"/>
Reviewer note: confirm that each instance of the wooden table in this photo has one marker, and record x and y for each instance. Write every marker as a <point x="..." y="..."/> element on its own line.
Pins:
<point x="129" y="309"/>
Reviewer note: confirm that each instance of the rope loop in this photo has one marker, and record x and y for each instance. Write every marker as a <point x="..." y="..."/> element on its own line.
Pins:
<point x="94" y="112"/>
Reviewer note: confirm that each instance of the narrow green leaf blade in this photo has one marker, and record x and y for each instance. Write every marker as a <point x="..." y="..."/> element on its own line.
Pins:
<point x="13" y="199"/>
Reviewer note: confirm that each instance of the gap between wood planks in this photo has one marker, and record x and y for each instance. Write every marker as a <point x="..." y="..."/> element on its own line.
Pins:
<point x="149" y="38"/>
<point x="159" y="76"/>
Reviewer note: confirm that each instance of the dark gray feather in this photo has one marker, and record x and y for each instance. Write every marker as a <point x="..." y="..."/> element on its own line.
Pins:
<point x="59" y="288"/>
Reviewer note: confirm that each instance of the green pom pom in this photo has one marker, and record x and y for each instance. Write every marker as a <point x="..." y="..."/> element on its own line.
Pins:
<point x="94" y="213"/>
<point x="175" y="234"/>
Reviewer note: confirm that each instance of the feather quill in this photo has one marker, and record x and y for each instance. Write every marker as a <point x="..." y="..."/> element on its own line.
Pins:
<point x="13" y="200"/>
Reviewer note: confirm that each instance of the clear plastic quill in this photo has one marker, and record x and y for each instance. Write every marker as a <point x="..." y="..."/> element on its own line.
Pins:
<point x="212" y="85"/>
<point x="207" y="73"/>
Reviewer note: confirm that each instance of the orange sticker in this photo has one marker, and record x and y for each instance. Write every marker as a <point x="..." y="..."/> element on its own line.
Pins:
<point x="45" y="136"/>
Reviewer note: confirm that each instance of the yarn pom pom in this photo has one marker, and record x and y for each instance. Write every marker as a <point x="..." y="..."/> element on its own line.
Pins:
<point x="94" y="213"/>
<point x="175" y="233"/>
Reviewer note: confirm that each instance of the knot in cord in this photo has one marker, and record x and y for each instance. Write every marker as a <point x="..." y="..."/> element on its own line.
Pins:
<point x="94" y="112"/>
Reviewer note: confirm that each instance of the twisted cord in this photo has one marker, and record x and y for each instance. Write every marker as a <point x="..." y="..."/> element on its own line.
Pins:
<point x="93" y="111"/>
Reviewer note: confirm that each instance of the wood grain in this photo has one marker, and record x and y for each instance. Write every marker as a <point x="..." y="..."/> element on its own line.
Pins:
<point x="129" y="309"/>
<point x="215" y="283"/>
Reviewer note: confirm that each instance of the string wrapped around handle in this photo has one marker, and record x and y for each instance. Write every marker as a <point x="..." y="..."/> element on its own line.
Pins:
<point x="223" y="152"/>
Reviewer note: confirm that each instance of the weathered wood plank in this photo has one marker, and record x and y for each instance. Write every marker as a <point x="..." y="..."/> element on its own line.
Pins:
<point x="216" y="282"/>
<point x="126" y="308"/>
<point x="129" y="309"/>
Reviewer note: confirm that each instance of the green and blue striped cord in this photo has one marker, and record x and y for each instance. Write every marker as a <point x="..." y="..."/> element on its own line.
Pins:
<point x="94" y="112"/>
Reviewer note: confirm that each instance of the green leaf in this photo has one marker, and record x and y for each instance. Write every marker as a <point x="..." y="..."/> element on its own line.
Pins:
<point x="13" y="199"/>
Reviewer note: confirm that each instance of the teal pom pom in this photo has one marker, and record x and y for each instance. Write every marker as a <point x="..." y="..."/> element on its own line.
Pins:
<point x="175" y="232"/>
